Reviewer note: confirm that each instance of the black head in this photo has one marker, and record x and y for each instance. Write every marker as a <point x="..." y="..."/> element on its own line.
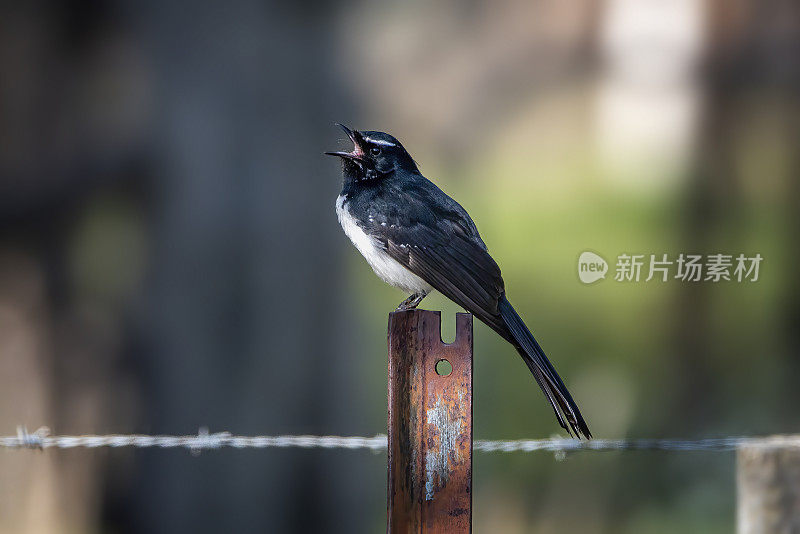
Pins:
<point x="374" y="155"/>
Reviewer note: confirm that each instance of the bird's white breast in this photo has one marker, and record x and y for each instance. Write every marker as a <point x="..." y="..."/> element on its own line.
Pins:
<point x="386" y="267"/>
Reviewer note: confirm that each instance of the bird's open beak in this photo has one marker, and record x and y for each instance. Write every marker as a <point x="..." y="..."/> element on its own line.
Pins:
<point x="355" y="136"/>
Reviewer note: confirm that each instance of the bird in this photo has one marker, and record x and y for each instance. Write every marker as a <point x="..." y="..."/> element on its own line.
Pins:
<point x="416" y="238"/>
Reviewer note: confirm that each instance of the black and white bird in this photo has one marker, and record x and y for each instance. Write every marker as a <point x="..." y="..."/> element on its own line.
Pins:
<point x="417" y="238"/>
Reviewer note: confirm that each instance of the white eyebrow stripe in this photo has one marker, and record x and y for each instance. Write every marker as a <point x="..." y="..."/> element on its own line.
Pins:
<point x="379" y="142"/>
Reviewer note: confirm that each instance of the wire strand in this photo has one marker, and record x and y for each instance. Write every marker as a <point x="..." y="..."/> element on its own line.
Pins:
<point x="41" y="439"/>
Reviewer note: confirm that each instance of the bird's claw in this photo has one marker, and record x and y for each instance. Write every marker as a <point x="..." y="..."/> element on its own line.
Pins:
<point x="411" y="302"/>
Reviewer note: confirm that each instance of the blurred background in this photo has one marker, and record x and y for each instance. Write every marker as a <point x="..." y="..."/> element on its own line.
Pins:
<point x="170" y="256"/>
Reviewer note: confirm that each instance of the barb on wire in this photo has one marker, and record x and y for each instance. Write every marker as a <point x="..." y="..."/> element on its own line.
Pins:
<point x="41" y="439"/>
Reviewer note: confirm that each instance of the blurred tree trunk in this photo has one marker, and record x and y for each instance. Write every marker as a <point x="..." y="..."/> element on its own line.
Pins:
<point x="246" y="286"/>
<point x="785" y="75"/>
<point x="751" y="48"/>
<point x="712" y="199"/>
<point x="58" y="340"/>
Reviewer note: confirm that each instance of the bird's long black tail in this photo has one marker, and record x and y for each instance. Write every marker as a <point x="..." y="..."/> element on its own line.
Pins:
<point x="567" y="412"/>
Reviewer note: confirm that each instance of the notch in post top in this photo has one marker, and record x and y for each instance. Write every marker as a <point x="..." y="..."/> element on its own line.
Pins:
<point x="431" y="322"/>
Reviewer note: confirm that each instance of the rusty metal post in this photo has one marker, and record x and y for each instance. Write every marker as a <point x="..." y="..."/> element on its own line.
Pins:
<point x="430" y="425"/>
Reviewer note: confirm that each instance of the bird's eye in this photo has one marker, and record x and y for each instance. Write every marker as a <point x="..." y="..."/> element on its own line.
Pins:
<point x="375" y="151"/>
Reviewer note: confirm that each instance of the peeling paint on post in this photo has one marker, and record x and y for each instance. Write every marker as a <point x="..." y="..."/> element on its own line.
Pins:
<point x="430" y="425"/>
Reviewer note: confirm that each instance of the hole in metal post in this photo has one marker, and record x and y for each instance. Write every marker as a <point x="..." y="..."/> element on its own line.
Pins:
<point x="443" y="368"/>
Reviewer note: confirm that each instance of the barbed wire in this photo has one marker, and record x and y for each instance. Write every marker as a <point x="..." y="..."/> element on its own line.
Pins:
<point x="41" y="439"/>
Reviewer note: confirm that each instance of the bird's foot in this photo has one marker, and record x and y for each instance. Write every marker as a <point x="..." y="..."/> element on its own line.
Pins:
<point x="412" y="302"/>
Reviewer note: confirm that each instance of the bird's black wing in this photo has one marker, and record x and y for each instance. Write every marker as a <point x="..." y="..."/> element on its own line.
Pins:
<point x="434" y="237"/>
